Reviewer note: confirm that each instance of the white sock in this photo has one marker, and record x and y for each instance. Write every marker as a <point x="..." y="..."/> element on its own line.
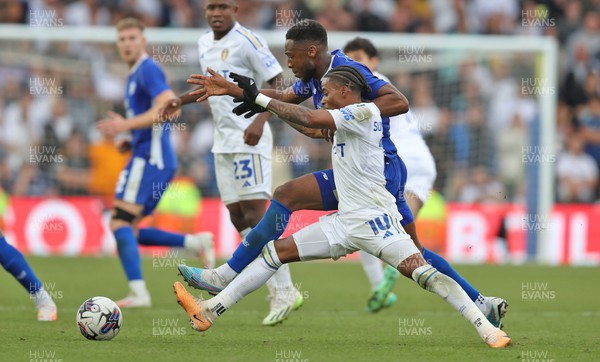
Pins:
<point x="138" y="287"/>
<point x="41" y="297"/>
<point x="480" y="303"/>
<point x="430" y="279"/>
<point x="226" y="273"/>
<point x="373" y="268"/>
<point x="281" y="280"/>
<point x="251" y="278"/>
<point x="190" y="242"/>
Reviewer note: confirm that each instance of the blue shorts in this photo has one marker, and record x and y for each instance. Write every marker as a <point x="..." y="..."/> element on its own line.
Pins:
<point x="395" y="175"/>
<point x="143" y="183"/>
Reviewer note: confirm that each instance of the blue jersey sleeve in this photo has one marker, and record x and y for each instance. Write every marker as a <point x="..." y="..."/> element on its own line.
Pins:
<point x="302" y="89"/>
<point x="373" y="82"/>
<point x="155" y="81"/>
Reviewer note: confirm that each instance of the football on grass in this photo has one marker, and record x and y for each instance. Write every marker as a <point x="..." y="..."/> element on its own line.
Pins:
<point x="99" y="318"/>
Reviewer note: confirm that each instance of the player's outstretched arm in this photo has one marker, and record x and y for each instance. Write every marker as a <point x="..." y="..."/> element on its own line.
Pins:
<point x="217" y="85"/>
<point x="115" y="123"/>
<point x="299" y="115"/>
<point x="293" y="114"/>
<point x="390" y="101"/>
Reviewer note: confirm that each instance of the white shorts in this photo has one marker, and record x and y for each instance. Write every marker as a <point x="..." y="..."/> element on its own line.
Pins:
<point x="332" y="238"/>
<point x="421" y="174"/>
<point x="243" y="176"/>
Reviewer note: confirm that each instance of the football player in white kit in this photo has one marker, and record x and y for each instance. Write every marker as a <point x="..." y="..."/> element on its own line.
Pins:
<point x="413" y="150"/>
<point x="242" y="146"/>
<point x="367" y="218"/>
<point x="405" y="133"/>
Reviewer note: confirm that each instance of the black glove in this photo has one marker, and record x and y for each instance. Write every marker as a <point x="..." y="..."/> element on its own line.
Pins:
<point x="247" y="84"/>
<point x="248" y="107"/>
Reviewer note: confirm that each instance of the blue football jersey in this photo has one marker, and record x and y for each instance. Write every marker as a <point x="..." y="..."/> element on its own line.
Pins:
<point x="146" y="81"/>
<point x="313" y="88"/>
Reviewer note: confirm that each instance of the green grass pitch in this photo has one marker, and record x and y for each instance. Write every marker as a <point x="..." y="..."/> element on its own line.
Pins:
<point x="554" y="315"/>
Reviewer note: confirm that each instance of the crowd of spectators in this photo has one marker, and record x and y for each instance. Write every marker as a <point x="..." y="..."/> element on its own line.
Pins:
<point x="478" y="121"/>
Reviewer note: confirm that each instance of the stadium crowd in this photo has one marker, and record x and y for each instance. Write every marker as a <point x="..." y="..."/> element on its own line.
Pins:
<point x="476" y="124"/>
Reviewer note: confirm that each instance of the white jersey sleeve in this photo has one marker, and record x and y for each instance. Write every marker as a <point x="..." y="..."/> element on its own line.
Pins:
<point x="355" y="119"/>
<point x="262" y="62"/>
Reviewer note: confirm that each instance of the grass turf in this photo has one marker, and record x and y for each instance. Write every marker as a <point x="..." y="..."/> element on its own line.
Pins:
<point x="553" y="315"/>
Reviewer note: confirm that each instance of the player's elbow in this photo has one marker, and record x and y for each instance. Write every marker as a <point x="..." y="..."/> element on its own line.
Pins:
<point x="401" y="105"/>
<point x="395" y="105"/>
<point x="314" y="133"/>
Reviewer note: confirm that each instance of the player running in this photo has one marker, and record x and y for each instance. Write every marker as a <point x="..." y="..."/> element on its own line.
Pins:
<point x="242" y="146"/>
<point x="13" y="262"/>
<point x="152" y="165"/>
<point x="309" y="59"/>
<point x="413" y="150"/>
<point x="367" y="218"/>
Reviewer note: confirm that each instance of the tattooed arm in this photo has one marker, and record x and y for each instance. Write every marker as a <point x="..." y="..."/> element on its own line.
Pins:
<point x="306" y="118"/>
<point x="310" y="132"/>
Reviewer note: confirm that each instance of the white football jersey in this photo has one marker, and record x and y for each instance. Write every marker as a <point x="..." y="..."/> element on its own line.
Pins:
<point x="242" y="52"/>
<point x="404" y="132"/>
<point x="358" y="162"/>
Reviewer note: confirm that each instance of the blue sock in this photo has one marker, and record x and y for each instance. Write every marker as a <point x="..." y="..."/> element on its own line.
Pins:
<point x="444" y="267"/>
<point x="129" y="252"/>
<point x="157" y="237"/>
<point x="13" y="261"/>
<point x="270" y="227"/>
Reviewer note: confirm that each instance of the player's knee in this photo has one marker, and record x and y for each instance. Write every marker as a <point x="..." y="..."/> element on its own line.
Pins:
<point x="286" y="250"/>
<point x="121" y="218"/>
<point x="409" y="265"/>
<point x="239" y="221"/>
<point x="252" y="217"/>
<point x="286" y="195"/>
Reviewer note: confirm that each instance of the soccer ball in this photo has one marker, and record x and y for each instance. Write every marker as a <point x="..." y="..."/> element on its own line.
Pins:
<point x="99" y="318"/>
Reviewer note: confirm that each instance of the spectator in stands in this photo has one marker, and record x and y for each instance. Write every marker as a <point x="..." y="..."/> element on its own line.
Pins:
<point x="107" y="159"/>
<point x="86" y="13"/>
<point x="60" y="125"/>
<point x="589" y="118"/>
<point x="570" y="22"/>
<point x="587" y="36"/>
<point x="423" y="105"/>
<point x="335" y="17"/>
<point x="5" y="174"/>
<point x="30" y="180"/>
<point x="577" y="173"/>
<point x="16" y="130"/>
<point x="493" y="17"/>
<point x="578" y="81"/>
<point x="503" y="99"/>
<point x="480" y="146"/>
<point x="481" y="187"/>
<point x="442" y="147"/>
<point x="366" y="20"/>
<point x="13" y="11"/>
<point x="177" y="14"/>
<point x="511" y="168"/>
<point x="565" y="125"/>
<point x="73" y="170"/>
